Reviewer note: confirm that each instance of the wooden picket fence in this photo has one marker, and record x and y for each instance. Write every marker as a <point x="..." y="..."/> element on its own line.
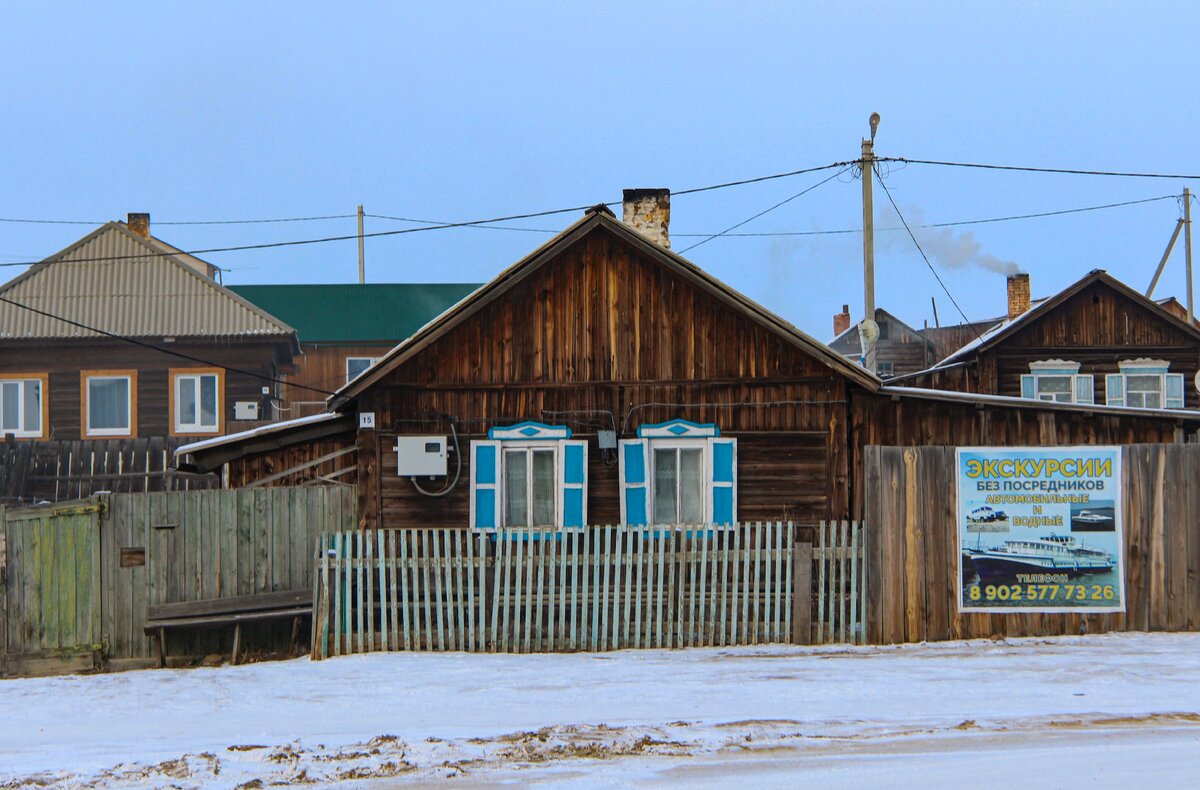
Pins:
<point x="841" y="583"/>
<point x="541" y="590"/>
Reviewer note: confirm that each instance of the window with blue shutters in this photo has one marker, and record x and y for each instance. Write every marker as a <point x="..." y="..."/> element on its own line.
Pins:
<point x="1058" y="381"/>
<point x="678" y="472"/>
<point x="529" y="475"/>
<point x="1145" y="384"/>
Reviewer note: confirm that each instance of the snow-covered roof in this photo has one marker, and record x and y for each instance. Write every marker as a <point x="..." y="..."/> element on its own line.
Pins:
<point x="252" y="433"/>
<point x="1009" y="400"/>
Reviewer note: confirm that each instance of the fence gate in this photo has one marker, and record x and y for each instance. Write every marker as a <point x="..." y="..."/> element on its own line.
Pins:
<point x="51" y="604"/>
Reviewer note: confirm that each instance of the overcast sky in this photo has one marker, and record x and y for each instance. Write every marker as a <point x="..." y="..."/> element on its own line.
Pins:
<point x="234" y="111"/>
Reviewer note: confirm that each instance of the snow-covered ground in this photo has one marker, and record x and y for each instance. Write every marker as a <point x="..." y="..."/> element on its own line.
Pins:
<point x="1119" y="711"/>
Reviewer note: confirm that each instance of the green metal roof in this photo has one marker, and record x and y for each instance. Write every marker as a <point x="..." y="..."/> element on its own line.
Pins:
<point x="355" y="313"/>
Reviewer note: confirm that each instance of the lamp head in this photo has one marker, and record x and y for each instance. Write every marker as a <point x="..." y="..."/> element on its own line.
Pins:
<point x="874" y="124"/>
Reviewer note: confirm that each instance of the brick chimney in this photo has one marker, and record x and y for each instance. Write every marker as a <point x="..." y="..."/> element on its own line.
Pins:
<point x="139" y="223"/>
<point x="1018" y="295"/>
<point x="648" y="211"/>
<point x="841" y="321"/>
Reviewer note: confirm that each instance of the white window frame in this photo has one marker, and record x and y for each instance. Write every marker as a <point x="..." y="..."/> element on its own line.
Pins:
<point x="507" y="447"/>
<point x="197" y="427"/>
<point x="653" y="445"/>
<point x="891" y="371"/>
<point x="23" y="382"/>
<point x="130" y="428"/>
<point x="1059" y="369"/>
<point x="370" y="360"/>
<point x="1143" y="367"/>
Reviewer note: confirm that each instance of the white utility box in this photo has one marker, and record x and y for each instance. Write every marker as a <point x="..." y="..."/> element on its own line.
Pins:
<point x="421" y="456"/>
<point x="245" y="410"/>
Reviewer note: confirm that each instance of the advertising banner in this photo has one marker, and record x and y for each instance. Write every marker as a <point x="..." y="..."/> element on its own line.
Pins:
<point x="1040" y="529"/>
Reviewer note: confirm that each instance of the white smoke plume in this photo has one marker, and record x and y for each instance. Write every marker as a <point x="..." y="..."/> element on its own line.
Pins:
<point x="944" y="246"/>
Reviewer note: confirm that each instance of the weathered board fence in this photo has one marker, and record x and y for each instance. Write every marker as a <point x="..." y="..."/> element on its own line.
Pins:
<point x="78" y="577"/>
<point x="913" y="552"/>
<point x="56" y="471"/>
<point x="518" y="591"/>
<point x="841" y="583"/>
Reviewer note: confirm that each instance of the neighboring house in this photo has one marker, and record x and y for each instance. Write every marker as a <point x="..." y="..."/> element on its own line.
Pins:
<point x="343" y="329"/>
<point x="604" y="379"/>
<point x="1096" y="342"/>
<point x="899" y="350"/>
<point x="176" y="355"/>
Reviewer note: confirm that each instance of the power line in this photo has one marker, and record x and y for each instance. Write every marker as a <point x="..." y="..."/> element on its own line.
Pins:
<point x="152" y="347"/>
<point x="913" y="236"/>
<point x="1020" y="168"/>
<point x="953" y="224"/>
<point x="764" y="211"/>
<point x="477" y="227"/>
<point x="181" y="222"/>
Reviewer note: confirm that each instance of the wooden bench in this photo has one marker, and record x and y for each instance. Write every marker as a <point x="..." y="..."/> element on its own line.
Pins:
<point x="234" y="611"/>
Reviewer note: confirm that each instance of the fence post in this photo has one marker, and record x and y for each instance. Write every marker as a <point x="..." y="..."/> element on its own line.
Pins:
<point x="802" y="554"/>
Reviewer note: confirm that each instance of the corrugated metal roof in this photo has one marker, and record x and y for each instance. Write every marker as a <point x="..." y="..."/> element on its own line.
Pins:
<point x="386" y="312"/>
<point x="114" y="280"/>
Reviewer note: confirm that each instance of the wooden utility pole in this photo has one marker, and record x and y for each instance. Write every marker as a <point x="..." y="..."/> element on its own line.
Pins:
<point x="362" y="262"/>
<point x="871" y="334"/>
<point x="1187" y="244"/>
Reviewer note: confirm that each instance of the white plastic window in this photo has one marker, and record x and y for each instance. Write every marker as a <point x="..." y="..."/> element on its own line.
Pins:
<point x="21" y="407"/>
<point x="109" y="406"/>
<point x="530" y="486"/>
<point x="197" y="403"/>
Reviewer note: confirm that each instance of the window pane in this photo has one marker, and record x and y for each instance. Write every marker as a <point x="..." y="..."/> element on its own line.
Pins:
<point x="516" y="507"/>
<point x="1143" y="383"/>
<point x="186" y="388"/>
<point x="355" y="366"/>
<point x="1054" y="384"/>
<point x="33" y="406"/>
<point x="208" y="401"/>
<point x="10" y="406"/>
<point x="664" y="487"/>
<point x="1153" y="400"/>
<point x="691" y="486"/>
<point x="108" y="404"/>
<point x="543" y="488"/>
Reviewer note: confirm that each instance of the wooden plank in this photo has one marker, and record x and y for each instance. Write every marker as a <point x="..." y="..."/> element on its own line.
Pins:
<point x="338" y="591"/>
<point x="854" y="625"/>
<point x="471" y="641"/>
<point x="576" y="539"/>
<point x="407" y="579"/>
<point x="543" y="546"/>
<point x="499" y="607"/>
<point x="802" y="580"/>
<point x="425" y="592"/>
<point x="484" y="592"/>
<point x="597" y="549"/>
<point x="382" y="586"/>
<point x="770" y="581"/>
<point x="616" y="559"/>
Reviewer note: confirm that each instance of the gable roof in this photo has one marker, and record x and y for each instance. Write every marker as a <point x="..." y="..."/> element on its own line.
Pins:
<point x="1008" y="327"/>
<point x="850" y="336"/>
<point x="115" y="280"/>
<point x="594" y="219"/>
<point x="371" y="313"/>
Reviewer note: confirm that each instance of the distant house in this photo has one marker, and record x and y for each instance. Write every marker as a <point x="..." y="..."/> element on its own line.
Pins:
<point x="344" y="329"/>
<point x="899" y="350"/>
<point x="121" y="335"/>
<point x="1096" y="342"/>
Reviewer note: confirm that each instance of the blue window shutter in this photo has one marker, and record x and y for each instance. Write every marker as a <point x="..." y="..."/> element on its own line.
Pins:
<point x="634" y="474"/>
<point x="1114" y="389"/>
<point x="1174" y="393"/>
<point x="573" y="481"/>
<point x="1085" y="389"/>
<point x="1028" y="386"/>
<point x="724" y="481"/>
<point x="485" y="493"/>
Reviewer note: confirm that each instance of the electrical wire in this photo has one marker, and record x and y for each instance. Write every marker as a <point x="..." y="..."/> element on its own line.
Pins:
<point x="913" y="236"/>
<point x="1025" y="169"/>
<point x="954" y="224"/>
<point x="152" y="347"/>
<point x="761" y="213"/>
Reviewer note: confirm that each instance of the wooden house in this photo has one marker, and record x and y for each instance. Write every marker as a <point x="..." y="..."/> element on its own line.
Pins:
<point x="343" y="329"/>
<point x="899" y="350"/>
<point x="604" y="379"/>
<point x="1096" y="342"/>
<point x="121" y="335"/>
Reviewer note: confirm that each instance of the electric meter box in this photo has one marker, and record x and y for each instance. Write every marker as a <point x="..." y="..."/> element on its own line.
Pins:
<point x="421" y="456"/>
<point x="245" y="410"/>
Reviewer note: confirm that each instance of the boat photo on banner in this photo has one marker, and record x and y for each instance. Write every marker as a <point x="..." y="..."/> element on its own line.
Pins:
<point x="1040" y="529"/>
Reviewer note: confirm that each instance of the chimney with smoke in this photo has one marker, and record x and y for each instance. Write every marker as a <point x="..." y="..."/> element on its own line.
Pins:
<point x="1018" y="295"/>
<point x="139" y="223"/>
<point x="841" y="321"/>
<point x="648" y="211"/>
